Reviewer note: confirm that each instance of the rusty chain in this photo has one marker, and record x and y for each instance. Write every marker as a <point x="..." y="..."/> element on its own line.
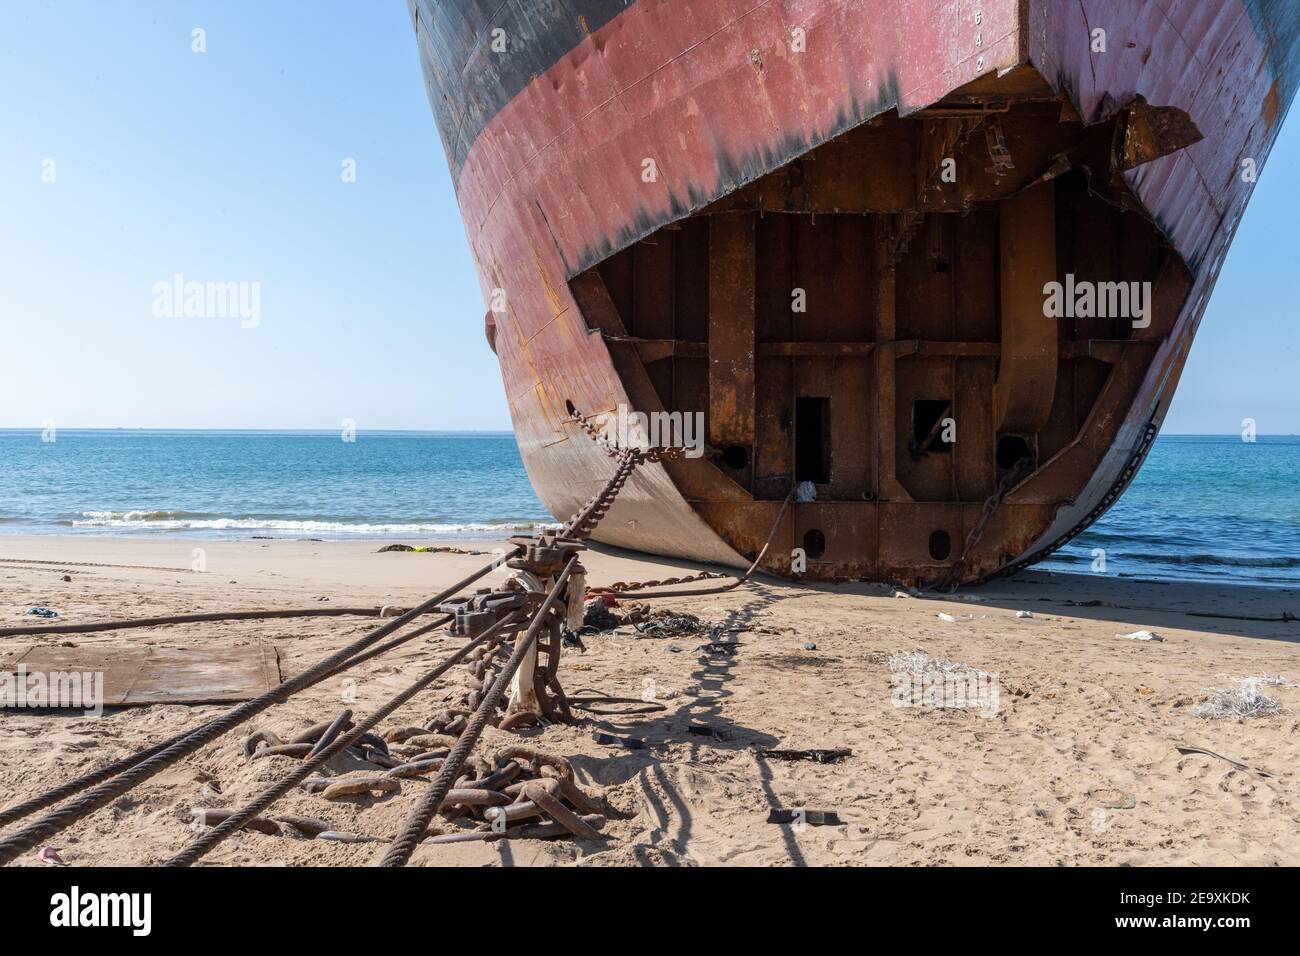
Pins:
<point x="991" y="504"/>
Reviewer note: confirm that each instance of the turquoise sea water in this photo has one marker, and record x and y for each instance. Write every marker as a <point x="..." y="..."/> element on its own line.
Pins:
<point x="285" y="484"/>
<point x="1202" y="507"/>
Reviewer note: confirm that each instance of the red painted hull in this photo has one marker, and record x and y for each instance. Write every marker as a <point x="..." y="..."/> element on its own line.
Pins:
<point x="712" y="92"/>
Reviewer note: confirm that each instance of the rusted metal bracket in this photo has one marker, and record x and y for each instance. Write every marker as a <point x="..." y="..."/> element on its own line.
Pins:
<point x="998" y="152"/>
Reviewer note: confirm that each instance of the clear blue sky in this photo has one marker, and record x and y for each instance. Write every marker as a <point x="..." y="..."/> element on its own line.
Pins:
<point x="226" y="165"/>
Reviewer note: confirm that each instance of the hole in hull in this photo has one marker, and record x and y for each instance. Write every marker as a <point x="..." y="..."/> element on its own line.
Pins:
<point x="940" y="545"/>
<point x="1012" y="450"/>
<point x="735" y="457"/>
<point x="814" y="543"/>
<point x="812" y="440"/>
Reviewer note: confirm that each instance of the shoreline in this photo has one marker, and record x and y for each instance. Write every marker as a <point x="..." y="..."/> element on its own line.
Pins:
<point x="1085" y="721"/>
<point x="100" y="539"/>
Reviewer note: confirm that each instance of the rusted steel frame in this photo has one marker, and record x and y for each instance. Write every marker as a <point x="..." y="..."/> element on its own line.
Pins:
<point x="103" y="794"/>
<point x="418" y="822"/>
<point x="1098" y="433"/>
<point x="192" y="853"/>
<point x="888" y="488"/>
<point x="1026" y="382"/>
<point x="652" y="350"/>
<point x="82" y="783"/>
<point x="732" y="299"/>
<point x="905" y="347"/>
<point x="1110" y="351"/>
<point x="1104" y="349"/>
<point x="1130" y="470"/>
<point x="814" y="349"/>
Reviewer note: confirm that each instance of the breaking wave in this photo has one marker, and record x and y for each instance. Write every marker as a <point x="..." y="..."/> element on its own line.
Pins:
<point x="199" y="521"/>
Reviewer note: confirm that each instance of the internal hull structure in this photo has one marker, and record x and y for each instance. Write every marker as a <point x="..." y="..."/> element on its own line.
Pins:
<point x="938" y="261"/>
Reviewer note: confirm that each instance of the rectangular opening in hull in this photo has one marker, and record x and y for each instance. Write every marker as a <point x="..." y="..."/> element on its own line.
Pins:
<point x="930" y="418"/>
<point x="812" y="440"/>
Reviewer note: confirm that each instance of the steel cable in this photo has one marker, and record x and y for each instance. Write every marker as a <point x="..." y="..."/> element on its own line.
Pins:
<point x="190" y="854"/>
<point x="63" y="791"/>
<point x="189" y="619"/>
<point x="98" y="797"/>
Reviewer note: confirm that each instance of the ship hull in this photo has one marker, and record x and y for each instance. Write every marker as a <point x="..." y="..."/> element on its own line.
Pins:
<point x="610" y="159"/>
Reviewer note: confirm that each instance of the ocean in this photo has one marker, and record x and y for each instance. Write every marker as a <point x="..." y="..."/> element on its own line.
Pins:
<point x="1202" y="507"/>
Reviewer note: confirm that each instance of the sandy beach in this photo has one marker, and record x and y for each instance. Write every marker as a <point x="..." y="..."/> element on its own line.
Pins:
<point x="1076" y="764"/>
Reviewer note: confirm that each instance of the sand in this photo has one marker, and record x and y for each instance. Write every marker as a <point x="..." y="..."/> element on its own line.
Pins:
<point x="1077" y="764"/>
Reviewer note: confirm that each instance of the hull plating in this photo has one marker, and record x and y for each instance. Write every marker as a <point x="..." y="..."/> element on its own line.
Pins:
<point x="550" y="112"/>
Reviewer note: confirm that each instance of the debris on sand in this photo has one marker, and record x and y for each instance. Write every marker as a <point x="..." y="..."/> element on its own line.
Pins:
<point x="1143" y="636"/>
<point x="664" y="623"/>
<point x="1185" y="748"/>
<point x="816" y="755"/>
<point x="918" y="663"/>
<point x="424" y="549"/>
<point x="597" y="616"/>
<point x="1246" y="700"/>
<point x="604" y="612"/>
<point x="50" y="856"/>
<point x="800" y="816"/>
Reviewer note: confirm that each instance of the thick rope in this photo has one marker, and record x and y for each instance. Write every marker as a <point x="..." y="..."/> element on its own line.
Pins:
<point x="401" y="849"/>
<point x="103" y="794"/>
<point x="191" y="854"/>
<point x="73" y="787"/>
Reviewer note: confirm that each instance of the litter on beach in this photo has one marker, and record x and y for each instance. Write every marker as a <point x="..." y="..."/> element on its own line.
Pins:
<point x="1246" y="700"/>
<point x="1143" y="636"/>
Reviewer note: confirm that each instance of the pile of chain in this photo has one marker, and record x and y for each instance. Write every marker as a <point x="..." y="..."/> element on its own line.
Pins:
<point x="521" y="793"/>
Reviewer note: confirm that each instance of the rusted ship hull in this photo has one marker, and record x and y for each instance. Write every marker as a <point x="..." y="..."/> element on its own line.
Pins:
<point x="829" y="226"/>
